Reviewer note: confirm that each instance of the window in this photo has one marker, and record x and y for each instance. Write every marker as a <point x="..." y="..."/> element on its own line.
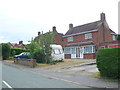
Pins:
<point x="113" y="37"/>
<point x="69" y="39"/>
<point x="67" y="50"/>
<point x="57" y="51"/>
<point x="73" y="50"/>
<point x="88" y="35"/>
<point x="88" y="49"/>
<point x="61" y="51"/>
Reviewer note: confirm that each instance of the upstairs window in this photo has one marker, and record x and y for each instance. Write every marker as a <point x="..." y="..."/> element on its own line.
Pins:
<point x="113" y="37"/>
<point x="88" y="36"/>
<point x="69" y="39"/>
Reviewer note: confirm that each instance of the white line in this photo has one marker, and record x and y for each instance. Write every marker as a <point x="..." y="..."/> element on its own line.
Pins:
<point x="7" y="84"/>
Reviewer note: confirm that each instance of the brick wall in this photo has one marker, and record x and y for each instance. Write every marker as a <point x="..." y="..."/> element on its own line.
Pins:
<point x="27" y="62"/>
<point x="59" y="40"/>
<point x="67" y="56"/>
<point x="89" y="56"/>
<point x="81" y="38"/>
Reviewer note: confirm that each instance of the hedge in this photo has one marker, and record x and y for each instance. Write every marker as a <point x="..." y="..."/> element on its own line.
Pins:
<point x="16" y="51"/>
<point x="108" y="62"/>
<point x="5" y="51"/>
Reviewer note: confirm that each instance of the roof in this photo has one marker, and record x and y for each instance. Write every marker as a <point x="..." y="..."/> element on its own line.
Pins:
<point x="84" y="28"/>
<point x="80" y="44"/>
<point x="61" y="34"/>
<point x="38" y="37"/>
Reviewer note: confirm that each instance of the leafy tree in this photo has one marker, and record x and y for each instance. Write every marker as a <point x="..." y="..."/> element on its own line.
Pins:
<point x="45" y="41"/>
<point x="40" y="49"/>
<point x="5" y="51"/>
<point x="118" y="38"/>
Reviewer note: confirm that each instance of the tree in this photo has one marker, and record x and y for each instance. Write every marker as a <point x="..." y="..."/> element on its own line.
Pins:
<point x="5" y="51"/>
<point x="40" y="49"/>
<point x="118" y="38"/>
<point x="45" y="41"/>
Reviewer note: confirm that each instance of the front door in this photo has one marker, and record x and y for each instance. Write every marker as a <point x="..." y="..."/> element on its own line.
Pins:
<point x="73" y="55"/>
<point x="81" y="52"/>
<point x="77" y="52"/>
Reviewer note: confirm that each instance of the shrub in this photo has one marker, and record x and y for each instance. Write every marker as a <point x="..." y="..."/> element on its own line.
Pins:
<point x="108" y="61"/>
<point x="5" y="51"/>
<point x="16" y="51"/>
<point x="39" y="55"/>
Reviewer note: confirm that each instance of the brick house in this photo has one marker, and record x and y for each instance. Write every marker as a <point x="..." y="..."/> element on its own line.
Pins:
<point x="58" y="36"/>
<point x="83" y="41"/>
<point x="19" y="45"/>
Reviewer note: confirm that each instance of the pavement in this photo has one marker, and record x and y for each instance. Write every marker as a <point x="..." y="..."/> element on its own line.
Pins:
<point x="81" y="78"/>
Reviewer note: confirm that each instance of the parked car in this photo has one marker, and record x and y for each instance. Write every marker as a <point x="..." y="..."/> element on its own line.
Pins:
<point x="57" y="52"/>
<point x="23" y="55"/>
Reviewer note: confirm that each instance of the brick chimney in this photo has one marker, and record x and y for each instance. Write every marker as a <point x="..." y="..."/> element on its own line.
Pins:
<point x="20" y="42"/>
<point x="70" y="25"/>
<point x="54" y="29"/>
<point x="102" y="17"/>
<point x="39" y="33"/>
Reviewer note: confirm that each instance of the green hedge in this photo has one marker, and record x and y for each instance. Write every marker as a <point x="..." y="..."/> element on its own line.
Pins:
<point x="5" y="51"/>
<point x="16" y="51"/>
<point x="108" y="62"/>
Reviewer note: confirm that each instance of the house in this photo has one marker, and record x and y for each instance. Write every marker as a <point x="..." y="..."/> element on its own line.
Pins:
<point x="84" y="40"/>
<point x="19" y="45"/>
<point x="58" y="36"/>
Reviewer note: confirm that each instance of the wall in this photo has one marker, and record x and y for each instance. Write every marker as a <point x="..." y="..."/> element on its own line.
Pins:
<point x="89" y="56"/>
<point x="27" y="62"/>
<point x="81" y="38"/>
<point x="67" y="56"/>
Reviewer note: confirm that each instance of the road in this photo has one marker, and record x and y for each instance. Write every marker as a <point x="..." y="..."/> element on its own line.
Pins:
<point x="19" y="78"/>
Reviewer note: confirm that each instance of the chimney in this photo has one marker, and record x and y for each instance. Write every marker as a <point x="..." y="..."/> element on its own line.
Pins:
<point x="102" y="16"/>
<point x="42" y="32"/>
<point x="70" y="26"/>
<point x="54" y="29"/>
<point x="20" y="42"/>
<point x="39" y="33"/>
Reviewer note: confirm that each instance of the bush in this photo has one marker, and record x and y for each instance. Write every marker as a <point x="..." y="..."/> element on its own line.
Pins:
<point x="5" y="51"/>
<point x="39" y="55"/>
<point x="108" y="61"/>
<point x="16" y="51"/>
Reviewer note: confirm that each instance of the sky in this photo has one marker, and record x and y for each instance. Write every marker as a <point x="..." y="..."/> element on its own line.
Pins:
<point x="22" y="19"/>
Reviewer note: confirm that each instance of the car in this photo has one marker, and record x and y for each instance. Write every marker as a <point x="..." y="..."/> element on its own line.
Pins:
<point x="23" y="55"/>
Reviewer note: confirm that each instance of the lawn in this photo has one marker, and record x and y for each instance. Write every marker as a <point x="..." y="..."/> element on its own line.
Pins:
<point x="67" y="63"/>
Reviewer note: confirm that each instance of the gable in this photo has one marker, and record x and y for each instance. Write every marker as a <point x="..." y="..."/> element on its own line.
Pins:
<point x="84" y="28"/>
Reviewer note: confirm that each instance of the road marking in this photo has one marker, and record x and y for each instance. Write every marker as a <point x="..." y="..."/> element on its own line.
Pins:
<point x="7" y="84"/>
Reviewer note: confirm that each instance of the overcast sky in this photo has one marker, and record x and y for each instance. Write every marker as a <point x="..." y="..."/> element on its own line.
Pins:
<point x="22" y="19"/>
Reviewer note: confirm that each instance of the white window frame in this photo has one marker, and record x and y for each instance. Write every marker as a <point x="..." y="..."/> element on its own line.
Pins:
<point x="67" y="50"/>
<point x="88" y="35"/>
<point x="92" y="49"/>
<point x="69" y="39"/>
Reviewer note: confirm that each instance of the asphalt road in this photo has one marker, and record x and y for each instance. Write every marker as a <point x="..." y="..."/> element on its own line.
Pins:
<point x="18" y="78"/>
